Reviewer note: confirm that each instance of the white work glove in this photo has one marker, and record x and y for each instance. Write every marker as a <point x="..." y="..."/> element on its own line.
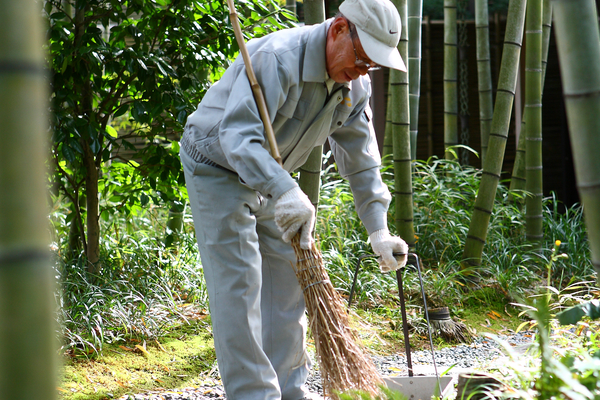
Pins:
<point x="384" y="245"/>
<point x="294" y="212"/>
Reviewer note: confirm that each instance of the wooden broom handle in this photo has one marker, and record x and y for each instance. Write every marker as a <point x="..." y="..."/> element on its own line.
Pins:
<point x="258" y="94"/>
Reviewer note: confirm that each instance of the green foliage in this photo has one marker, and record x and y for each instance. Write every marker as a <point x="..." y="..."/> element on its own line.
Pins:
<point x="568" y="363"/>
<point x="152" y="277"/>
<point x="138" y="293"/>
<point x="343" y="240"/>
<point x="141" y="66"/>
<point x="574" y="314"/>
<point x="568" y="226"/>
<point x="444" y="192"/>
<point x="567" y="366"/>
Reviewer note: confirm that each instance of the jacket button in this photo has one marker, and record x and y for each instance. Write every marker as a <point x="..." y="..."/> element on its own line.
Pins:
<point x="339" y="123"/>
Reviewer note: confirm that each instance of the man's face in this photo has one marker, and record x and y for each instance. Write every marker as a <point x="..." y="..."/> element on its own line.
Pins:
<point x="344" y="54"/>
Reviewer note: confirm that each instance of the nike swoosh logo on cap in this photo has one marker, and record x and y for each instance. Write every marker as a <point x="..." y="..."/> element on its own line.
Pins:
<point x="393" y="33"/>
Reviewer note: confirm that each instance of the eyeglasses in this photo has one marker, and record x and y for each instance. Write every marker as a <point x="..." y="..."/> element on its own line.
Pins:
<point x="358" y="62"/>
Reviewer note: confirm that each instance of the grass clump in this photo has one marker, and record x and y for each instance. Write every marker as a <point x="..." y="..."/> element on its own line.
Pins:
<point x="138" y="292"/>
<point x="444" y="193"/>
<point x="147" y="291"/>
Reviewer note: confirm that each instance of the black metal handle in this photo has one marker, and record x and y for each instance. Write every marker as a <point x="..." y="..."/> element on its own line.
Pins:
<point x="400" y="296"/>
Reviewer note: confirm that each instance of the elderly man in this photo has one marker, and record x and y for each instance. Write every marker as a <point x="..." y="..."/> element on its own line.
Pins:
<point x="246" y="207"/>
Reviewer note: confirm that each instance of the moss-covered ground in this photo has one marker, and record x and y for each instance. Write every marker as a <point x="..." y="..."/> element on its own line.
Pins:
<point x="186" y="357"/>
<point x="183" y="358"/>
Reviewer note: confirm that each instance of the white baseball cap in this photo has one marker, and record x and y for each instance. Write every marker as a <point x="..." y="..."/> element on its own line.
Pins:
<point x="378" y="26"/>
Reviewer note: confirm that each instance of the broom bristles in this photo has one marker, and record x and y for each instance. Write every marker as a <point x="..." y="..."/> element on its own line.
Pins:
<point x="342" y="363"/>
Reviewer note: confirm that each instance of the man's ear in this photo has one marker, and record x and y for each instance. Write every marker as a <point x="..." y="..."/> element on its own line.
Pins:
<point x="338" y="26"/>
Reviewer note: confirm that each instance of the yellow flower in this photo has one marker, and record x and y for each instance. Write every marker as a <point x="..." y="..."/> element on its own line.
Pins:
<point x="557" y="243"/>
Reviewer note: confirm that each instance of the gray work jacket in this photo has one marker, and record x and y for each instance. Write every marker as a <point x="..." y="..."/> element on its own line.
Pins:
<point x="290" y="66"/>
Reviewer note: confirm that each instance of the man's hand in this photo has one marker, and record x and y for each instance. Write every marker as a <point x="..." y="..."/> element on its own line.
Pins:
<point x="294" y="212"/>
<point x="384" y="245"/>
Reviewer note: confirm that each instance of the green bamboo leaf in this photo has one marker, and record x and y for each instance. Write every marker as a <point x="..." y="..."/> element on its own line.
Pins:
<point x="574" y="314"/>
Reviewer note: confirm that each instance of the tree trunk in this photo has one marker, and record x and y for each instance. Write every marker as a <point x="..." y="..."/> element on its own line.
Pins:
<point x="92" y="243"/>
<point x="484" y="73"/>
<point x="310" y="172"/>
<point x="450" y="77"/>
<point x="415" y="16"/>
<point x="174" y="223"/>
<point x="92" y="210"/>
<point x="75" y="239"/>
<point x="28" y="345"/>
<point x="517" y="181"/>
<point x="401" y="141"/>
<point x="578" y="45"/>
<point x="492" y="167"/>
<point x="533" y="116"/>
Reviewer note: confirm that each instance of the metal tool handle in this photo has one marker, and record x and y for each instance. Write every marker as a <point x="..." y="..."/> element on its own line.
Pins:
<point x="403" y="309"/>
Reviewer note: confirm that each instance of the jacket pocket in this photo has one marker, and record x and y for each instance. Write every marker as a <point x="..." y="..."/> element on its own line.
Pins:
<point x="340" y="116"/>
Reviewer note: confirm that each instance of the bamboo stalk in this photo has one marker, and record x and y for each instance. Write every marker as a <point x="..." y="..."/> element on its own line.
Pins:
<point x="429" y="86"/>
<point x="401" y="139"/>
<point x="450" y="77"/>
<point x="518" y="179"/>
<point x="256" y="90"/>
<point x="533" y="116"/>
<point x="415" y="16"/>
<point x="492" y="166"/>
<point x="310" y="172"/>
<point x="484" y="73"/>
<point x="578" y="45"/>
<point x="388" y="141"/>
<point x="28" y="345"/>
<point x="314" y="11"/>
<point x="291" y="6"/>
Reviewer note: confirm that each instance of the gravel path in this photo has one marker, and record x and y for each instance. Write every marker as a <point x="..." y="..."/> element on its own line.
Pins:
<point x="481" y="352"/>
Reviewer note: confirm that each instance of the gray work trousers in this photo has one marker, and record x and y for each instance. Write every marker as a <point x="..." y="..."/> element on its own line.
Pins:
<point x="256" y="304"/>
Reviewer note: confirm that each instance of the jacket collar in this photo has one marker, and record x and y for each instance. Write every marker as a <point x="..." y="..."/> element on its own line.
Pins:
<point x="315" y="66"/>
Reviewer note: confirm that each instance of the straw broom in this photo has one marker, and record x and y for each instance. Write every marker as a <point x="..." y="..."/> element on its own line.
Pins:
<point x="342" y="363"/>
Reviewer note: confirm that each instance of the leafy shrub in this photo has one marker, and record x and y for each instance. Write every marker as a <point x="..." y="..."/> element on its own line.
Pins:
<point x="137" y="293"/>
